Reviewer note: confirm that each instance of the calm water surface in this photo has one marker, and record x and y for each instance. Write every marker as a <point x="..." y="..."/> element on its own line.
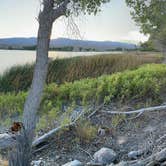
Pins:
<point x="9" y="58"/>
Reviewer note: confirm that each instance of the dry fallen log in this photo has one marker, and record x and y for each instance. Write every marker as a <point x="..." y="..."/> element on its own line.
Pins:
<point x="48" y="135"/>
<point x="52" y="133"/>
<point x="8" y="140"/>
<point x="139" y="112"/>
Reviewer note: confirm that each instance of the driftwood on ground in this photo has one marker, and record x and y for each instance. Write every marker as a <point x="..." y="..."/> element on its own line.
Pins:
<point x="8" y="140"/>
<point x="54" y="131"/>
<point x="139" y="111"/>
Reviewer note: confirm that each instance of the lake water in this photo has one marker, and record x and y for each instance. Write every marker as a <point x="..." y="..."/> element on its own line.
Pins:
<point x="9" y="58"/>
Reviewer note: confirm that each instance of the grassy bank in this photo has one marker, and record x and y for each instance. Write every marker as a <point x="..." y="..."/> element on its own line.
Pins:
<point x="68" y="70"/>
<point x="146" y="83"/>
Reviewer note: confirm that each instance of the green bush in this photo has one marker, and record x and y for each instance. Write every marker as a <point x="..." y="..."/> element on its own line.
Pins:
<point x="11" y="106"/>
<point x="70" y="69"/>
<point x="145" y="83"/>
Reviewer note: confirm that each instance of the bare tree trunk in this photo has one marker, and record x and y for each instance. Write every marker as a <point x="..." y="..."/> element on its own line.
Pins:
<point x="21" y="154"/>
<point x="33" y="101"/>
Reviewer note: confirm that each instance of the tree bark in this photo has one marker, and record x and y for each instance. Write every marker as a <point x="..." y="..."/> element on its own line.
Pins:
<point x="46" y="19"/>
<point x="33" y="100"/>
<point x="21" y="153"/>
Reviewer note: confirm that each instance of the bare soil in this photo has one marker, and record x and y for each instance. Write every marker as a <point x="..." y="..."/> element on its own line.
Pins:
<point x="130" y="134"/>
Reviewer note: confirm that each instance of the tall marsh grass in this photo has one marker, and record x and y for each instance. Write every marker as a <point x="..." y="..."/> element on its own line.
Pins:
<point x="19" y="78"/>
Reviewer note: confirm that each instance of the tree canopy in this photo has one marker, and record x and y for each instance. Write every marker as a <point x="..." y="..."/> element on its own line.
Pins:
<point x="151" y="17"/>
<point x="149" y="14"/>
<point x="77" y="6"/>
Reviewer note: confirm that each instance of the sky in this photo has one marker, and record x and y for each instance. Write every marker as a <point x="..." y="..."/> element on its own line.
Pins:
<point x="18" y="18"/>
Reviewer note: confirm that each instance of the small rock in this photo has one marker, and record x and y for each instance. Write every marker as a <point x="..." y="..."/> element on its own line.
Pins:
<point x="105" y="156"/>
<point x="101" y="132"/>
<point x="57" y="157"/>
<point x="38" y="163"/>
<point x="74" y="163"/>
<point x="135" y="154"/>
<point x="93" y="164"/>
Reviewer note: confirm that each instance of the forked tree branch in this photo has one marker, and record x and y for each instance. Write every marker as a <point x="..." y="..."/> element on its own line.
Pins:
<point x="61" y="9"/>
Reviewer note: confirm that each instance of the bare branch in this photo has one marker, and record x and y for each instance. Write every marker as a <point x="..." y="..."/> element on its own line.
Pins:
<point x="72" y="28"/>
<point x="139" y="112"/>
<point x="54" y="131"/>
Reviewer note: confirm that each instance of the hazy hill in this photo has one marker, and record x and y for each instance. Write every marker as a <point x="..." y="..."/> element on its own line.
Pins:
<point x="64" y="42"/>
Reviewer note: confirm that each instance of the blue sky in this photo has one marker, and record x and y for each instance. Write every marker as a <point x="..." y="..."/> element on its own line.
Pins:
<point x="114" y="23"/>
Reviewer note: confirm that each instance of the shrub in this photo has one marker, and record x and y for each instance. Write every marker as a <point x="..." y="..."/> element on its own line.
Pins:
<point x="86" y="132"/>
<point x="146" y="83"/>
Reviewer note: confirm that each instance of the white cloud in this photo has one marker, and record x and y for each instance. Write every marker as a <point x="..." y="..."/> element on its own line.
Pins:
<point x="135" y="36"/>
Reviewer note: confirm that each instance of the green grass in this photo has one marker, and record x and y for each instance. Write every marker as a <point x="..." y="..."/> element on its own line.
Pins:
<point x="145" y="83"/>
<point x="19" y="78"/>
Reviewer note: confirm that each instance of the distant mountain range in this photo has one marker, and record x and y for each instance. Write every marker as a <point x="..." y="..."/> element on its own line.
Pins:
<point x="65" y="42"/>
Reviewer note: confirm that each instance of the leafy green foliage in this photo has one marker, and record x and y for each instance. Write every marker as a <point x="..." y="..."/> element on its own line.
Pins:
<point x="145" y="83"/>
<point x="150" y="15"/>
<point x="70" y="69"/>
<point x="147" y="46"/>
<point x="85" y="6"/>
<point x="11" y="106"/>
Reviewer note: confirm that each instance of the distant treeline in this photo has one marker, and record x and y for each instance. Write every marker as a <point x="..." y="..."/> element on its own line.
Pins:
<point x="66" y="48"/>
<point x="69" y="48"/>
